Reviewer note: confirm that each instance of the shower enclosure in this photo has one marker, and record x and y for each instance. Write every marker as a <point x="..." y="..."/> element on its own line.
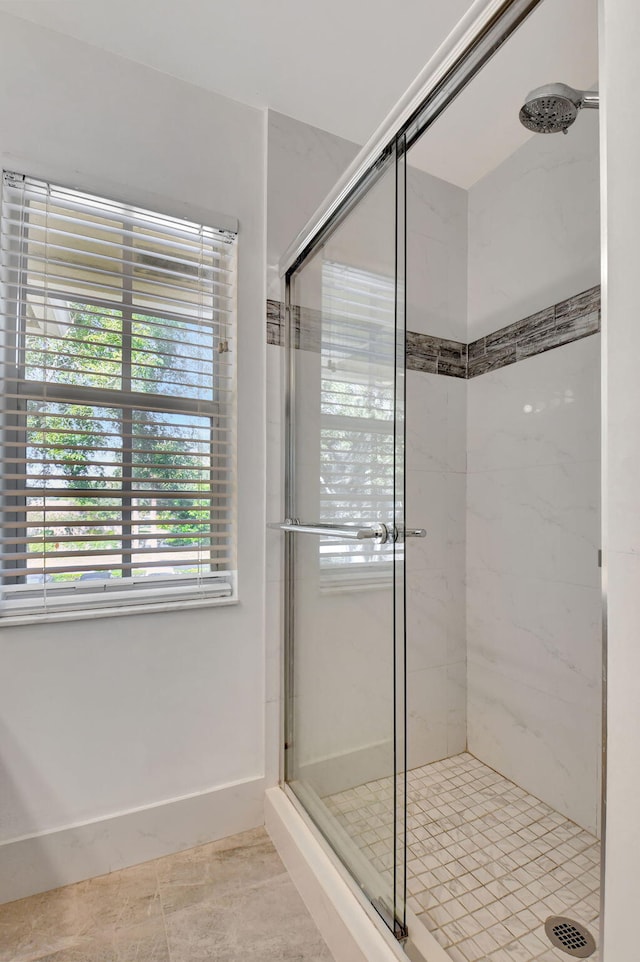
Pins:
<point x="345" y="529"/>
<point x="442" y="597"/>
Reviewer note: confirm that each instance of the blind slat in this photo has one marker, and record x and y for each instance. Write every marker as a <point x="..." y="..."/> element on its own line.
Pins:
<point x="89" y="569"/>
<point x="111" y="282"/>
<point x="79" y="288"/>
<point x="357" y="407"/>
<point x="62" y="297"/>
<point x="134" y="267"/>
<point x="58" y="239"/>
<point x="138" y="336"/>
<point x="64" y="205"/>
<point x="141" y="521"/>
<point x="57" y="394"/>
<point x="217" y="507"/>
<point x="72" y="538"/>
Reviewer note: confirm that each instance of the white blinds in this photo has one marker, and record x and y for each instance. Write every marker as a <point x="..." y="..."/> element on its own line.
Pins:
<point x="358" y="412"/>
<point x="118" y="421"/>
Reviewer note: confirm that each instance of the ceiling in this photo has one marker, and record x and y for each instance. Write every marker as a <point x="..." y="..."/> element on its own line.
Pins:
<point x="337" y="64"/>
<point x="558" y="42"/>
<point x="340" y="64"/>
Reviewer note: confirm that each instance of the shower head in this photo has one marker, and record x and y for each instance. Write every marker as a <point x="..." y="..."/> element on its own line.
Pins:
<point x="554" y="107"/>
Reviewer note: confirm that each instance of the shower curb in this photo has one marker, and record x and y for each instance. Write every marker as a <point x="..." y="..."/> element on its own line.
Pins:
<point x="352" y="930"/>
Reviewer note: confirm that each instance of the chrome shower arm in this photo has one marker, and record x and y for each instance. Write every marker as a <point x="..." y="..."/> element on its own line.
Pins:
<point x="590" y="99"/>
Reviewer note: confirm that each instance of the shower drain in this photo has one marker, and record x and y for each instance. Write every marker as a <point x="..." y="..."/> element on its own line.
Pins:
<point x="570" y="936"/>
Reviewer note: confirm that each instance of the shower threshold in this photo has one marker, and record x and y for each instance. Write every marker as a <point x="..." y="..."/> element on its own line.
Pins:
<point x="487" y="862"/>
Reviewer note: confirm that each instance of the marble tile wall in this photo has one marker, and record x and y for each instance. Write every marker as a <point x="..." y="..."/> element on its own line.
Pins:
<point x="534" y="644"/>
<point x="437" y="256"/>
<point x="534" y="227"/>
<point x="435" y="567"/>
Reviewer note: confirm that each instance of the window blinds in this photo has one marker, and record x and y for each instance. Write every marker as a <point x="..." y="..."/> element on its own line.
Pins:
<point x="118" y="421"/>
<point x="357" y="417"/>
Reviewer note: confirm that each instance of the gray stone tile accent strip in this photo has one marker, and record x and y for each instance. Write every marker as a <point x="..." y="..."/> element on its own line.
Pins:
<point x="560" y="324"/>
<point x="567" y="321"/>
<point x="436" y="355"/>
<point x="275" y="322"/>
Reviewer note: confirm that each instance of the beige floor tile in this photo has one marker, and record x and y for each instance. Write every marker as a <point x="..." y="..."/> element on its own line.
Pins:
<point x="139" y="943"/>
<point x="264" y="921"/>
<point x="217" y="869"/>
<point x="33" y="927"/>
<point x="111" y="903"/>
<point x="227" y="901"/>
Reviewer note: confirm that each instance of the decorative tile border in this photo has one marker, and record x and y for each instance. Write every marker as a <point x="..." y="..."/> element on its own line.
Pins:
<point x="560" y="324"/>
<point x="569" y="320"/>
<point x="436" y="355"/>
<point x="275" y="323"/>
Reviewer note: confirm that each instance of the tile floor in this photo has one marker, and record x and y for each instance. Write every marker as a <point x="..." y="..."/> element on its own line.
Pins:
<point x="487" y="862"/>
<point x="230" y="901"/>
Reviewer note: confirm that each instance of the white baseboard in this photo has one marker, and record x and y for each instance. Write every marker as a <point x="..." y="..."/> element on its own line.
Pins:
<point x="37" y="863"/>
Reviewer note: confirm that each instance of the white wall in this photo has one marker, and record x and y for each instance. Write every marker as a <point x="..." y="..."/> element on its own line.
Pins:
<point x="436" y="284"/>
<point x="435" y="567"/>
<point x="106" y="715"/>
<point x="534" y="638"/>
<point x="533" y="586"/>
<point x="304" y="163"/>
<point x="436" y="296"/>
<point x="534" y="228"/>
<point x="620" y="75"/>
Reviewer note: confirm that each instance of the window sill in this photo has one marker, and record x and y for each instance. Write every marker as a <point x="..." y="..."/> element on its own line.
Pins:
<point x="116" y="611"/>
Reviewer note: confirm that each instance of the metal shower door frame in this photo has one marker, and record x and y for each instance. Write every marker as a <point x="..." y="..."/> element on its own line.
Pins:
<point x="485" y="28"/>
<point x="394" y="163"/>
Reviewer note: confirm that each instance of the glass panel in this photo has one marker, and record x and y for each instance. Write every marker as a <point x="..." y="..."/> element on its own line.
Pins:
<point x="345" y="754"/>
<point x="503" y="464"/>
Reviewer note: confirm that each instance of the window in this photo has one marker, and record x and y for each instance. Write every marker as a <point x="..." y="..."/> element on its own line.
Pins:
<point x="118" y="423"/>
<point x="357" y="419"/>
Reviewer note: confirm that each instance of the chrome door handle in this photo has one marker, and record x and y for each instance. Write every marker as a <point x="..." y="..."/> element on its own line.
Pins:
<point x="377" y="532"/>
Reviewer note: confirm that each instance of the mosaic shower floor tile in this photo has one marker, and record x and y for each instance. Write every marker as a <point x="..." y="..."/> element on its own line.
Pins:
<point x="488" y="863"/>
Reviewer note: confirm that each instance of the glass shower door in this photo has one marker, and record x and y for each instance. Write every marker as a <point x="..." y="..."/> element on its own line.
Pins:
<point x="345" y="605"/>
